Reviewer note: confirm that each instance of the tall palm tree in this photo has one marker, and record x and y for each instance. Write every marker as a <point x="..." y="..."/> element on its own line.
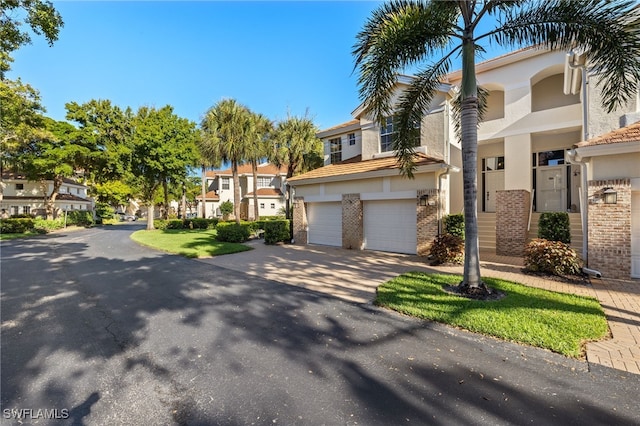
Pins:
<point x="226" y="125"/>
<point x="296" y="146"/>
<point x="209" y="158"/>
<point x="258" y="145"/>
<point x="430" y="33"/>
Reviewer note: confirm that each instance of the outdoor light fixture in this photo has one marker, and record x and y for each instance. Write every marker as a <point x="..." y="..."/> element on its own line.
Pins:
<point x="423" y="199"/>
<point x="610" y="196"/>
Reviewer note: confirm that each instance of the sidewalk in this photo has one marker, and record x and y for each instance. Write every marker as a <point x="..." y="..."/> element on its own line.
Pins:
<point x="354" y="276"/>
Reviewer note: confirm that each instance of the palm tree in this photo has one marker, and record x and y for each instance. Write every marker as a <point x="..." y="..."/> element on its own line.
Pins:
<point x="258" y="149"/>
<point x="226" y="126"/>
<point x="297" y="147"/>
<point x="412" y="32"/>
<point x="209" y="158"/>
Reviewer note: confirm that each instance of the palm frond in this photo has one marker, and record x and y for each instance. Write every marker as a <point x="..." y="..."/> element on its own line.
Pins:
<point x="607" y="31"/>
<point x="398" y="34"/>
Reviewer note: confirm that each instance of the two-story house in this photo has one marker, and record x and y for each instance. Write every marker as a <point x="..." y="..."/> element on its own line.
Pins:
<point x="271" y="182"/>
<point x="537" y="113"/>
<point x="21" y="196"/>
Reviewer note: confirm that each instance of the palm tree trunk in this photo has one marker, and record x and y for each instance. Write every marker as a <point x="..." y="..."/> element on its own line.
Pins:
<point x="469" y="127"/>
<point x="203" y="190"/>
<point x="165" y="188"/>
<point x="254" y="169"/>
<point x="236" y="191"/>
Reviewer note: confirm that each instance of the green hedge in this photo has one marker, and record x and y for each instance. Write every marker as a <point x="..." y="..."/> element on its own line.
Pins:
<point x="16" y="225"/>
<point x="42" y="226"/>
<point x="80" y="218"/>
<point x="454" y="224"/>
<point x="231" y="232"/>
<point x="276" y="231"/>
<point x="195" y="223"/>
<point x="555" y="226"/>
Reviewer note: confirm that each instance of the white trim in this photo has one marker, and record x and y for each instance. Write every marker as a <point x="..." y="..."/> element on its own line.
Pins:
<point x="635" y="184"/>
<point x="365" y="175"/>
<point x="329" y="198"/>
<point x="609" y="149"/>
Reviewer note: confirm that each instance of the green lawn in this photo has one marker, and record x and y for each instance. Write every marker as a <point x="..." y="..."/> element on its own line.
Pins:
<point x="16" y="236"/>
<point x="189" y="243"/>
<point x="560" y="322"/>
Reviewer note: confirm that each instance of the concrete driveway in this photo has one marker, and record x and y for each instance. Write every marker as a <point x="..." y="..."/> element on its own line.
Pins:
<point x="351" y="275"/>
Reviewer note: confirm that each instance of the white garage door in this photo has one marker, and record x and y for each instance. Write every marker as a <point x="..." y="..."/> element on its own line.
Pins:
<point x="325" y="223"/>
<point x="635" y="234"/>
<point x="390" y="225"/>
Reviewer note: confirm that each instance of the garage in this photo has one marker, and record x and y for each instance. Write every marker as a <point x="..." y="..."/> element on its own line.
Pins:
<point x="325" y="223"/>
<point x="635" y="234"/>
<point x="390" y="225"/>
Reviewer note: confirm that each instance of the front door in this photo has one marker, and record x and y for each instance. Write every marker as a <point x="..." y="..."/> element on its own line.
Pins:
<point x="551" y="189"/>
<point x="493" y="182"/>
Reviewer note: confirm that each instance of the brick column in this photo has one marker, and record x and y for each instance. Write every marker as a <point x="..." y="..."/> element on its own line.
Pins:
<point x="352" y="224"/>
<point x="427" y="221"/>
<point x="512" y="218"/>
<point x="609" y="247"/>
<point x="299" y="221"/>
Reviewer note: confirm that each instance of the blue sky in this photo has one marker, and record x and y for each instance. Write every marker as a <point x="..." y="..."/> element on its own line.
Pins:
<point x="274" y="57"/>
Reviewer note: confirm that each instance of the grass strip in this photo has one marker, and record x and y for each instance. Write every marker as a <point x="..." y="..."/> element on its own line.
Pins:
<point x="186" y="242"/>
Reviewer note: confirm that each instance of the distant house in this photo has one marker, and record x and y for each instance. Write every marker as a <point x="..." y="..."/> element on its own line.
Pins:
<point x="271" y="188"/>
<point x="21" y="196"/>
<point x="536" y="153"/>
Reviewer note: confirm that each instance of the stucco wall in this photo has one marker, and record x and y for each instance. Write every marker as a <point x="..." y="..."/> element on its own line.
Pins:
<point x="615" y="166"/>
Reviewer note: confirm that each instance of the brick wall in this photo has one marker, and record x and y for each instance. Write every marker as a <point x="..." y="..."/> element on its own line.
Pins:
<point x="512" y="218"/>
<point x="352" y="223"/>
<point x="609" y="247"/>
<point x="299" y="221"/>
<point x="427" y="221"/>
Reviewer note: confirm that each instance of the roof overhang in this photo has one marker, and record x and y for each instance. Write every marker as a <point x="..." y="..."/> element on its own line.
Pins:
<point x="608" y="149"/>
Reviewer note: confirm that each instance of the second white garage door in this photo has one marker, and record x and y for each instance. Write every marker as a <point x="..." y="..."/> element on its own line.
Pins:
<point x="390" y="225"/>
<point x="325" y="223"/>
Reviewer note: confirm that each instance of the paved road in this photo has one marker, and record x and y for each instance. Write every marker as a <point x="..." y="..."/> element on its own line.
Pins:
<point x="110" y="333"/>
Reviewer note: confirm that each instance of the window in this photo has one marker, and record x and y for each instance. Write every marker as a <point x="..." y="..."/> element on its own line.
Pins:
<point x="262" y="205"/>
<point x="225" y="183"/>
<point x="15" y="210"/>
<point x="264" y="182"/>
<point x="493" y="163"/>
<point x="273" y="206"/>
<point x="335" y="146"/>
<point x="387" y="135"/>
<point x="26" y="209"/>
<point x="19" y="186"/>
<point x="352" y="139"/>
<point x="550" y="158"/>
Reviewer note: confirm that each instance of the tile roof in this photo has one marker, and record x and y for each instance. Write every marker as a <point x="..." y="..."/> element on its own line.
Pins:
<point x="630" y="133"/>
<point x="19" y="176"/>
<point x="263" y="169"/>
<point x="352" y="168"/>
<point x="211" y="195"/>
<point x="267" y="192"/>
<point x="340" y="126"/>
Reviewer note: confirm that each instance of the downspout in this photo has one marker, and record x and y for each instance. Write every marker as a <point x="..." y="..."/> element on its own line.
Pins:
<point x="447" y="170"/>
<point x="575" y="158"/>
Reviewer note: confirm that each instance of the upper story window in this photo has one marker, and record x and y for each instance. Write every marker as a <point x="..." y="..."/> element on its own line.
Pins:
<point x="335" y="148"/>
<point x="387" y="135"/>
<point x="352" y="139"/>
<point x="19" y="186"/>
<point x="225" y="183"/>
<point x="264" y="182"/>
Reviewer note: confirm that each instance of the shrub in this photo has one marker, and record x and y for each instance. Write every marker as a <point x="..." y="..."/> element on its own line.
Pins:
<point x="16" y="225"/>
<point x="454" y="224"/>
<point x="447" y="248"/>
<point x="104" y="211"/>
<point x="554" y="226"/>
<point x="552" y="257"/>
<point x="80" y="218"/>
<point x="276" y="231"/>
<point x="43" y="226"/>
<point x="160" y="224"/>
<point x="174" y="224"/>
<point x="231" y="232"/>
<point x="226" y="208"/>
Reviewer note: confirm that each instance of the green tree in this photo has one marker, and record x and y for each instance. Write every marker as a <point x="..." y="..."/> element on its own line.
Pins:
<point x="210" y="157"/>
<point x="430" y="33"/>
<point x="258" y="148"/>
<point x="162" y="148"/>
<point x="297" y="147"/>
<point x="40" y="16"/>
<point x="113" y="192"/>
<point x="53" y="155"/>
<point x="226" y="127"/>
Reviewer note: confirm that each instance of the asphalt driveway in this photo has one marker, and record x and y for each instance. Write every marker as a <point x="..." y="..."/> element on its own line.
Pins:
<point x="110" y="333"/>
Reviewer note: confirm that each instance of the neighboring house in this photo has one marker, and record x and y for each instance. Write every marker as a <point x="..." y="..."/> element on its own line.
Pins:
<point x="271" y="188"/>
<point x="359" y="201"/>
<point x="20" y="196"/>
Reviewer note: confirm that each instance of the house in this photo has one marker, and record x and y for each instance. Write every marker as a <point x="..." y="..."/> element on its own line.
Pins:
<point x="539" y="109"/>
<point x="21" y="196"/>
<point x="271" y="181"/>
